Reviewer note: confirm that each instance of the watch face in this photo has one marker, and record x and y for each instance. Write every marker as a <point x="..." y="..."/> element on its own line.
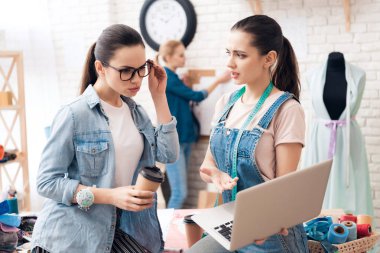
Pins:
<point x="165" y="20"/>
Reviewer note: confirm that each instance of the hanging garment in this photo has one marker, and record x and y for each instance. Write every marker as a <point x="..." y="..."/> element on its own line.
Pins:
<point x="349" y="184"/>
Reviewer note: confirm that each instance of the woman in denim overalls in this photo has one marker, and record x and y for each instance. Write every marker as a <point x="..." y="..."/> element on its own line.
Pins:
<point x="263" y="59"/>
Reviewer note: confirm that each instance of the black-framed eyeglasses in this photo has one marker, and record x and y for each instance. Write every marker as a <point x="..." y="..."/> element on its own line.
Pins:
<point x="127" y="73"/>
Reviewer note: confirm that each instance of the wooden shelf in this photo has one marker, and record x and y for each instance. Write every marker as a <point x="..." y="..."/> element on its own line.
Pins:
<point x="10" y="54"/>
<point x="12" y="107"/>
<point x="15" y="139"/>
<point x="19" y="159"/>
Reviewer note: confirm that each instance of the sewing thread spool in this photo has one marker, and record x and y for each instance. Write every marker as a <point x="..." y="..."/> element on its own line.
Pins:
<point x="352" y="230"/>
<point x="364" y="219"/>
<point x="348" y="217"/>
<point x="364" y="230"/>
<point x="1" y="152"/>
<point x="337" y="234"/>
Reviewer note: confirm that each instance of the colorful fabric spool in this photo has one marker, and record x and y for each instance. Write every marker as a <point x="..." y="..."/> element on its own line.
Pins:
<point x="352" y="230"/>
<point x="4" y="207"/>
<point x="8" y="229"/>
<point x="13" y="206"/>
<point x="11" y="220"/>
<point x="364" y="230"/>
<point x="337" y="234"/>
<point x="1" y="152"/>
<point x="348" y="217"/>
<point x="364" y="219"/>
<point x="318" y="228"/>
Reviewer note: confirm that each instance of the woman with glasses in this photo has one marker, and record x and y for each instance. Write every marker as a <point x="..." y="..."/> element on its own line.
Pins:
<point x="97" y="146"/>
<point x="180" y="96"/>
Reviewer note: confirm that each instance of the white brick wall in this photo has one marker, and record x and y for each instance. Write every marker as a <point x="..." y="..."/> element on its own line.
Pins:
<point x="76" y="25"/>
<point x="79" y="23"/>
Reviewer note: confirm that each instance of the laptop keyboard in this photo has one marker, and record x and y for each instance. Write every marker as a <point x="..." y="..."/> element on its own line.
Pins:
<point x="225" y="230"/>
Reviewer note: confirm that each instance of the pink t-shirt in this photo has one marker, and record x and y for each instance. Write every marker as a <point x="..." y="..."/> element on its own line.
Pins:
<point x="287" y="126"/>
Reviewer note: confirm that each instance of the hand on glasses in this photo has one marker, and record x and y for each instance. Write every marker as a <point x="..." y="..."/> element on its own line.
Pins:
<point x="157" y="75"/>
<point x="157" y="79"/>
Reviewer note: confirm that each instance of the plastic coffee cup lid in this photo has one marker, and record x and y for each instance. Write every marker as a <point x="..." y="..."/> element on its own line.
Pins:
<point x="153" y="174"/>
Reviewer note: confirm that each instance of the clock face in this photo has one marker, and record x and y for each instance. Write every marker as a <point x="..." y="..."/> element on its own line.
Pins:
<point x="165" y="20"/>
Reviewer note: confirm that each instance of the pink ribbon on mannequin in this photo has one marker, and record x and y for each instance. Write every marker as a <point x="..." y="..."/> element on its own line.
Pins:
<point x="333" y="125"/>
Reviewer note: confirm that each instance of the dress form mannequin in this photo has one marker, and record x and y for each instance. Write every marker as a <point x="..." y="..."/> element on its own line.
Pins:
<point x="335" y="89"/>
<point x="335" y="133"/>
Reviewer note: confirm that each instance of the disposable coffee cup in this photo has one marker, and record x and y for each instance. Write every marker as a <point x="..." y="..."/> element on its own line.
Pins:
<point x="149" y="179"/>
<point x="193" y="231"/>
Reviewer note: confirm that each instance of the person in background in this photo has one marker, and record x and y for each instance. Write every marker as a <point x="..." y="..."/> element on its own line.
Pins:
<point x="97" y="146"/>
<point x="259" y="130"/>
<point x="179" y="97"/>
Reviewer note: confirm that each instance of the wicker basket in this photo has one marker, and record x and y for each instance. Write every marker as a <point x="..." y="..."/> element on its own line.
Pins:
<point x="356" y="246"/>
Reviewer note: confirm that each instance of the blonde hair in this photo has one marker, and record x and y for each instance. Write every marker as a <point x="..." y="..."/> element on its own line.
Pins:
<point x="167" y="49"/>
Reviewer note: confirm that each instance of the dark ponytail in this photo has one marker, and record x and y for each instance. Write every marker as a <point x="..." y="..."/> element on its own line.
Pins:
<point x="266" y="36"/>
<point x="89" y="75"/>
<point x="286" y="73"/>
<point x="112" y="38"/>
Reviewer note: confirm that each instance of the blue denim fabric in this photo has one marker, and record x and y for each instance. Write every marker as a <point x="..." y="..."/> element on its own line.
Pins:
<point x="177" y="175"/>
<point x="221" y="145"/>
<point x="80" y="150"/>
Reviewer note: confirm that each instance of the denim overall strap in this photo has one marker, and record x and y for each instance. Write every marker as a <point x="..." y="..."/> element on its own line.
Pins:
<point x="247" y="168"/>
<point x="249" y="119"/>
<point x="222" y="119"/>
<point x="233" y="98"/>
<point x="268" y="116"/>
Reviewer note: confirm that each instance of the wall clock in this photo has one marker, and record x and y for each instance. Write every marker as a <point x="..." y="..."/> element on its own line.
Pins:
<point x="162" y="20"/>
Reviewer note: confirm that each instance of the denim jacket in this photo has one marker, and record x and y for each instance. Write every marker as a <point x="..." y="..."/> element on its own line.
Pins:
<point x="80" y="150"/>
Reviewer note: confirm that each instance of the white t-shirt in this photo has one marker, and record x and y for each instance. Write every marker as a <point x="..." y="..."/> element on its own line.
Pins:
<point x="128" y="142"/>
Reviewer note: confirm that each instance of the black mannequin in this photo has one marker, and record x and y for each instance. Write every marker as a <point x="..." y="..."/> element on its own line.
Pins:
<point x="335" y="90"/>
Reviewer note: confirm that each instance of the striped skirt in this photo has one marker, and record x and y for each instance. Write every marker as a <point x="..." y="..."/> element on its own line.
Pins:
<point x="122" y="243"/>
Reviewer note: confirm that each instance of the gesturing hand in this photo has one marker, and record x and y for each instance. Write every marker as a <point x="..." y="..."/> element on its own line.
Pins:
<point x="224" y="77"/>
<point x="128" y="198"/>
<point x="221" y="179"/>
<point x="157" y="80"/>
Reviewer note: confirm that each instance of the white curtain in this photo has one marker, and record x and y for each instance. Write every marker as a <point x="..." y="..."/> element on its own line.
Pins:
<point x="25" y="26"/>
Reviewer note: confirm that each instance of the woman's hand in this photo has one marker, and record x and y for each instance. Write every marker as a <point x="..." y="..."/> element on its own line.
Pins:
<point x="221" y="179"/>
<point x="186" y="79"/>
<point x="157" y="80"/>
<point x="225" y="77"/>
<point x="127" y="198"/>
<point x="283" y="231"/>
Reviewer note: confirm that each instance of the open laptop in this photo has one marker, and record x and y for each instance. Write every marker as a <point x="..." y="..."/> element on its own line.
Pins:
<point x="262" y="210"/>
